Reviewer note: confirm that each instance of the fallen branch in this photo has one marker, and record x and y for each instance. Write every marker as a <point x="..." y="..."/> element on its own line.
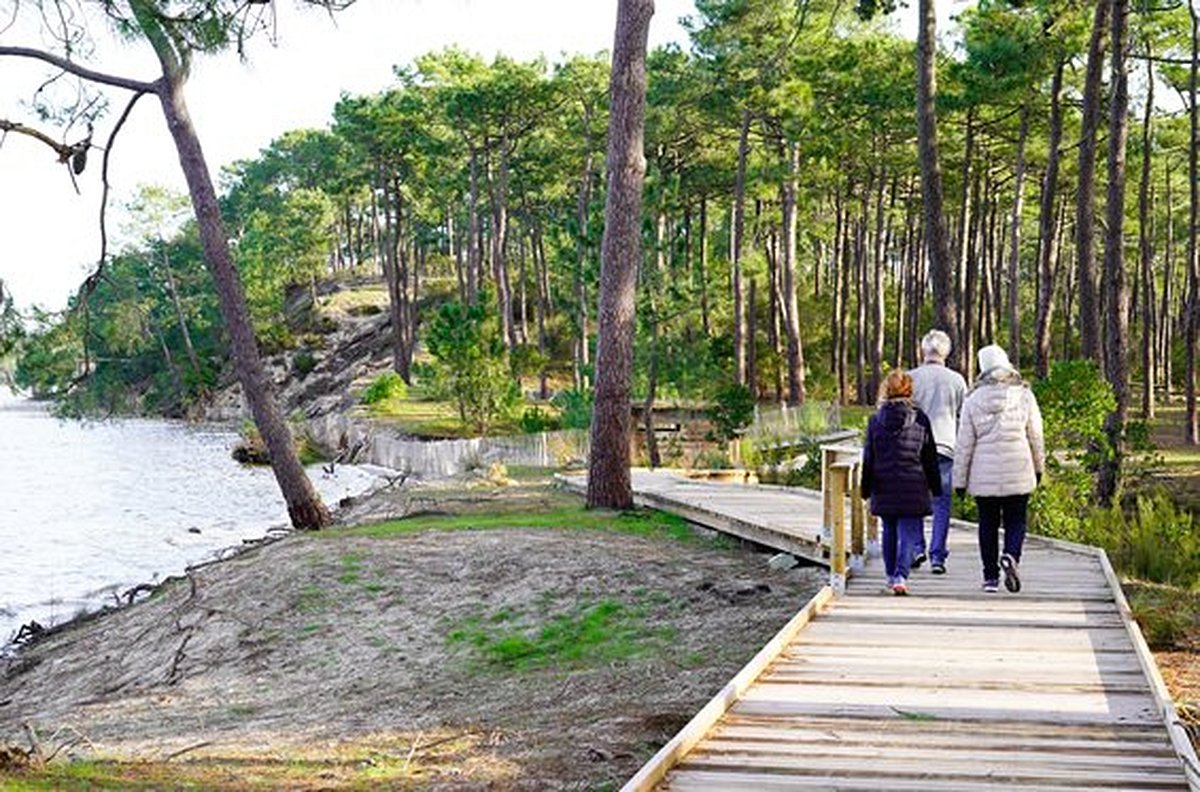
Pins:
<point x="188" y="749"/>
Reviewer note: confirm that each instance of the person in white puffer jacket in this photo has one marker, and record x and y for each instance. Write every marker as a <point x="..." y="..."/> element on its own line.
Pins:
<point x="999" y="459"/>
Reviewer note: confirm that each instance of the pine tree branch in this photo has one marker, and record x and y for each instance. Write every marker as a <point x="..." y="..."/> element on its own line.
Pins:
<point x="80" y="70"/>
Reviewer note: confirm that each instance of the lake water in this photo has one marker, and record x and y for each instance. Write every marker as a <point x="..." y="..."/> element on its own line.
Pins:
<point x="88" y="510"/>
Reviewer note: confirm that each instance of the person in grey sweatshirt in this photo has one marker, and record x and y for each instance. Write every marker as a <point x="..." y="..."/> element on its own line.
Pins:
<point x="939" y="392"/>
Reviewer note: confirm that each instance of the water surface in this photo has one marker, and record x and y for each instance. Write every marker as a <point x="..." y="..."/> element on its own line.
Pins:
<point x="88" y="510"/>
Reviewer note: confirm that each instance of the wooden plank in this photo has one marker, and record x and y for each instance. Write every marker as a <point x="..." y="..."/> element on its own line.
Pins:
<point x="654" y="770"/>
<point x="998" y="771"/>
<point x="711" y="780"/>
<point x="896" y="638"/>
<point x="962" y="760"/>
<point x="1029" y="740"/>
<point x="764" y="704"/>
<point x="1138" y="737"/>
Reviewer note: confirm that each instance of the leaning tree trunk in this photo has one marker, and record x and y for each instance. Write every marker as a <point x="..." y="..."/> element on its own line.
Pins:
<point x="1085" y="196"/>
<point x="941" y="271"/>
<point x="304" y="505"/>
<point x="1047" y="234"/>
<point x="621" y="250"/>
<point x="1116" y="290"/>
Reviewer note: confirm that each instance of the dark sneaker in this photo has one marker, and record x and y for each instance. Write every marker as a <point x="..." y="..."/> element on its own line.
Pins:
<point x="918" y="560"/>
<point x="1012" y="581"/>
<point x="991" y="586"/>
<point x="937" y="568"/>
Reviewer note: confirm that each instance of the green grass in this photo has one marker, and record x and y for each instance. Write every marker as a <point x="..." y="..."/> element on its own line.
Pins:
<point x="587" y="635"/>
<point x="639" y="523"/>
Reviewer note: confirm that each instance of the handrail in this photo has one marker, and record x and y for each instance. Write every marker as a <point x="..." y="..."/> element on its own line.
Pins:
<point x="841" y="477"/>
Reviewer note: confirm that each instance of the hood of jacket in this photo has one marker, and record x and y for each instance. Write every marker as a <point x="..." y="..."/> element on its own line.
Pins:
<point x="896" y="414"/>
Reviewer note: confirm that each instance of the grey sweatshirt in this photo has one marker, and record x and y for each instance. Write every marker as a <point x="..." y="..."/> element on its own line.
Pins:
<point x="939" y="392"/>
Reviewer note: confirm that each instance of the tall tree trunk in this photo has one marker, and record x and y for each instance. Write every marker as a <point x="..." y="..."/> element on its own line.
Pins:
<point x="392" y="271"/>
<point x="1047" y="234"/>
<point x="941" y="269"/>
<point x="543" y="308"/>
<point x="1116" y="289"/>
<point x="702" y="268"/>
<point x="844" y="299"/>
<point x="752" y="339"/>
<point x="1146" y="252"/>
<point x="304" y="505"/>
<point x="1166" y="325"/>
<point x="774" y="310"/>
<point x="460" y="276"/>
<point x="1014" y="252"/>
<point x="1192" y="328"/>
<point x="795" y="348"/>
<point x="504" y="296"/>
<point x="1085" y="206"/>
<point x="180" y="317"/>
<point x="878" y="317"/>
<point x="474" y="254"/>
<point x="582" y="201"/>
<point x="522" y="291"/>
<point x="621" y="252"/>
<point x="971" y="277"/>
<point x="965" y="221"/>
<point x="837" y="315"/>
<point x="738" y="243"/>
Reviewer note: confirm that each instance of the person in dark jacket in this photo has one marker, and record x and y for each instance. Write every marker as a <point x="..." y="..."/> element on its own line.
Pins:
<point x="899" y="473"/>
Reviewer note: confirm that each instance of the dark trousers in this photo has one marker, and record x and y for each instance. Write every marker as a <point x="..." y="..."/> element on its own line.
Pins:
<point x="1008" y="510"/>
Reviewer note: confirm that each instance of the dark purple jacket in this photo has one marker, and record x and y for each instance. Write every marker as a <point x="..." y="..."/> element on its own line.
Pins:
<point x="900" y="464"/>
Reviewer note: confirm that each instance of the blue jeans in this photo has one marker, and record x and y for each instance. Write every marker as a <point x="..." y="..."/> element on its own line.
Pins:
<point x="900" y="535"/>
<point x="1011" y="510"/>
<point x="941" y="517"/>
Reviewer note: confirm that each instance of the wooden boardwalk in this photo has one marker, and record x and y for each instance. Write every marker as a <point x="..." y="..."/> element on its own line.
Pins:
<point x="946" y="689"/>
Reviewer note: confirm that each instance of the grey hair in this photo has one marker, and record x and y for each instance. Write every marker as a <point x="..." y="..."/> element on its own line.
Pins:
<point x="935" y="344"/>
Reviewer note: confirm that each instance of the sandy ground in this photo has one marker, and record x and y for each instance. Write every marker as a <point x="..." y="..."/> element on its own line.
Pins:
<point x="327" y="661"/>
<point x="321" y="647"/>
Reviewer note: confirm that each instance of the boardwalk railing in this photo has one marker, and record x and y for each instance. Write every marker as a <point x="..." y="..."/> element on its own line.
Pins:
<point x="841" y="478"/>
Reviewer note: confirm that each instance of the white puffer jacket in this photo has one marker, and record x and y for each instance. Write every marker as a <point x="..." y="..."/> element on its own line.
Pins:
<point x="1000" y="449"/>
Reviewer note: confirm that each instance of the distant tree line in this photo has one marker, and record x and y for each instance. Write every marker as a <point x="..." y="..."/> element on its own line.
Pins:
<point x="792" y="242"/>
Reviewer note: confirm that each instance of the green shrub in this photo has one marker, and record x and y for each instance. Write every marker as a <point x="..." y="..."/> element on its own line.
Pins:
<point x="385" y="387"/>
<point x="303" y="363"/>
<point x="471" y="365"/>
<point x="1154" y="541"/>
<point x="575" y="407"/>
<point x="535" y="420"/>
<point x="713" y="459"/>
<point x="1165" y="615"/>
<point x="732" y="411"/>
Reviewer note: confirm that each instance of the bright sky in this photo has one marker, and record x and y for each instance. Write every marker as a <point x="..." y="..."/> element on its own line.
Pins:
<point x="49" y="237"/>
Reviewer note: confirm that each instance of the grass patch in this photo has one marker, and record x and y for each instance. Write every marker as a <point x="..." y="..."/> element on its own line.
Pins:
<point x="641" y="522"/>
<point x="387" y="762"/>
<point x="1169" y="616"/>
<point x="351" y="569"/>
<point x="587" y="635"/>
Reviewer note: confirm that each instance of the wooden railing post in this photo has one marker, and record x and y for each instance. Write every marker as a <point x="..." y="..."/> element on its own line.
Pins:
<point x="857" y="520"/>
<point x="839" y="481"/>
